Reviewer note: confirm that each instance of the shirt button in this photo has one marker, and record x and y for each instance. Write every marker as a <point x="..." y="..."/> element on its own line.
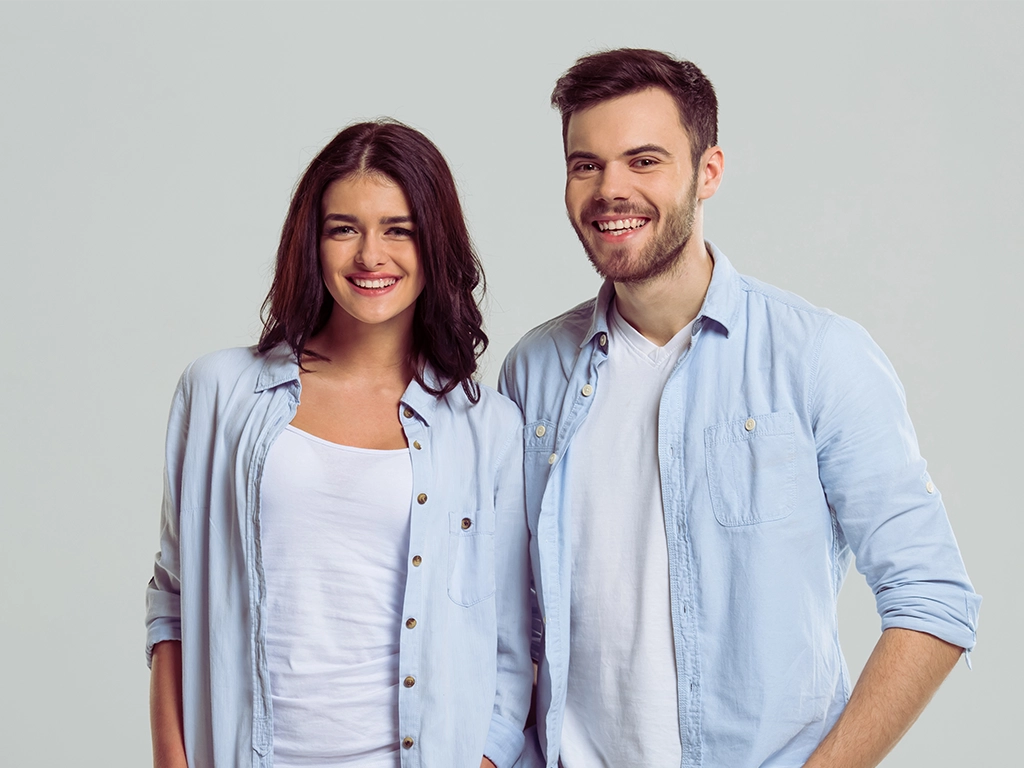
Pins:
<point x="602" y="340"/>
<point x="930" y="487"/>
<point x="749" y="425"/>
<point x="407" y="413"/>
<point x="416" y="444"/>
<point x="421" y="499"/>
<point x="416" y="560"/>
<point x="410" y="623"/>
<point x="552" y="458"/>
<point x="466" y="523"/>
<point x="407" y="742"/>
<point x="540" y="430"/>
<point x="409" y="682"/>
<point x="587" y="390"/>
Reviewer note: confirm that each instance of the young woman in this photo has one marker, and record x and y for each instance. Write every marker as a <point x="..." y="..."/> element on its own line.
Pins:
<point x="343" y="568"/>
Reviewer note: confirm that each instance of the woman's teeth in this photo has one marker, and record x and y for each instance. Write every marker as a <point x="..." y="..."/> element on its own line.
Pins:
<point x="381" y="282"/>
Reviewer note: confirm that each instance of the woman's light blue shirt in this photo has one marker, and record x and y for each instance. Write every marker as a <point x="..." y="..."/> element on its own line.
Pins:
<point x="468" y="587"/>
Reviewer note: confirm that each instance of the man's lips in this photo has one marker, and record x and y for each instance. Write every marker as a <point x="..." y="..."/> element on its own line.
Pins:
<point x="616" y="228"/>
<point x="620" y="225"/>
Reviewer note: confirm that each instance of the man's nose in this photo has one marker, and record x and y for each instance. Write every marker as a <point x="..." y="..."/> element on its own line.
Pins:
<point x="614" y="184"/>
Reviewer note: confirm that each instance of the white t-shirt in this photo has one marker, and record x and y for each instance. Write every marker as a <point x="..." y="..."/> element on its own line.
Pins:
<point x="334" y="534"/>
<point x="622" y="706"/>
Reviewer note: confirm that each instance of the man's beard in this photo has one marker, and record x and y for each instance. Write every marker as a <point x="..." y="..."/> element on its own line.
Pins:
<point x="659" y="256"/>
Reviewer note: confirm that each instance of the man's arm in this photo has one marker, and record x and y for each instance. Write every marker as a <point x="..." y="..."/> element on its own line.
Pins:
<point x="891" y="515"/>
<point x="165" y="710"/>
<point x="899" y="679"/>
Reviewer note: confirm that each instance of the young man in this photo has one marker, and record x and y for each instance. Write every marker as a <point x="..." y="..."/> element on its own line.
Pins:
<point x="704" y="455"/>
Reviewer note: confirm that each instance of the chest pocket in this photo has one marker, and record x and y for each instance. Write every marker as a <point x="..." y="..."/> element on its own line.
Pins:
<point x="751" y="465"/>
<point x="470" y="556"/>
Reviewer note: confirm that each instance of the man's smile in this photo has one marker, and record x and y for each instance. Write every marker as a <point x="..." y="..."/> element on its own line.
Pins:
<point x="619" y="227"/>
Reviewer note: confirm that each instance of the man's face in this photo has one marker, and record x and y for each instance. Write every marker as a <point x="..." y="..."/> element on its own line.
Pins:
<point x="631" y="189"/>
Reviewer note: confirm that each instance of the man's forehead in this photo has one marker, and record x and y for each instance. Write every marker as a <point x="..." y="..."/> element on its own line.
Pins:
<point x="648" y="117"/>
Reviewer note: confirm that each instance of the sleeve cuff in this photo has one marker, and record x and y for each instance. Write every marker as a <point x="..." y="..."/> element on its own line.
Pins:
<point x="504" y="742"/>
<point x="906" y="608"/>
<point x="158" y="632"/>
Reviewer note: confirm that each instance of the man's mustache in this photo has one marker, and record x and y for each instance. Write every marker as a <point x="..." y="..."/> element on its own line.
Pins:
<point x="592" y="212"/>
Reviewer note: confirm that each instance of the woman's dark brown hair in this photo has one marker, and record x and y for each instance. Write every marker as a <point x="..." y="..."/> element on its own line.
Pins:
<point x="447" y="325"/>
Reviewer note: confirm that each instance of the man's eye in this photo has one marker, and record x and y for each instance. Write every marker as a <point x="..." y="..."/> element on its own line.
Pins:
<point x="645" y="162"/>
<point x="585" y="167"/>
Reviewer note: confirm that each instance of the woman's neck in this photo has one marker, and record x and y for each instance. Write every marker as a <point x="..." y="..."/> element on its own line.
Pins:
<point x="352" y="348"/>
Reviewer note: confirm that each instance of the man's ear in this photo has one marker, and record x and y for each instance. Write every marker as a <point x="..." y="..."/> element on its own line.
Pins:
<point x="712" y="164"/>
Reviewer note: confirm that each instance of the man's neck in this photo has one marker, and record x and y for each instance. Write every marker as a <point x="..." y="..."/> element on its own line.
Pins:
<point x="662" y="307"/>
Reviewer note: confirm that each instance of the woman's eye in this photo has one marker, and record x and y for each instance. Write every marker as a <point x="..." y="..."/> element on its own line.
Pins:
<point x="400" y="232"/>
<point x="339" y="230"/>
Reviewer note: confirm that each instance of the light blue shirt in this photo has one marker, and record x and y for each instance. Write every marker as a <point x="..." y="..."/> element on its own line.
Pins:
<point x="468" y="651"/>
<point x="785" y="449"/>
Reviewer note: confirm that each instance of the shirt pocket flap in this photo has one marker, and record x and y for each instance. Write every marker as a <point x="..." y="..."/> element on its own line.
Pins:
<point x="751" y="467"/>
<point x="470" y="556"/>
<point x="539" y="436"/>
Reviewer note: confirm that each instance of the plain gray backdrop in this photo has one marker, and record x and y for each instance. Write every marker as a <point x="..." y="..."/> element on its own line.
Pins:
<point x="147" y="156"/>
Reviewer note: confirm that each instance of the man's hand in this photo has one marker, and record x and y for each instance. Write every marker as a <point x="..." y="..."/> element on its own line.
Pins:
<point x="902" y="674"/>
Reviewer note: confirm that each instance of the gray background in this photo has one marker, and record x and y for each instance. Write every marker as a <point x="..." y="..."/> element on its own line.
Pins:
<point x="147" y="155"/>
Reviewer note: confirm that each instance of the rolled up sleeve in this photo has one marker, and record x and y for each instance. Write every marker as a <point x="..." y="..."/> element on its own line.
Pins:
<point x="163" y="594"/>
<point x="888" y="508"/>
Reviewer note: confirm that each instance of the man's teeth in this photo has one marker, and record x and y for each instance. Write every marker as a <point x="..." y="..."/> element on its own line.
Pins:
<point x="620" y="225"/>
<point x="380" y="282"/>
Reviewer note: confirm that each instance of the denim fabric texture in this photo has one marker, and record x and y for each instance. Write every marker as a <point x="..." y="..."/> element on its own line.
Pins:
<point x="785" y="451"/>
<point x="468" y="589"/>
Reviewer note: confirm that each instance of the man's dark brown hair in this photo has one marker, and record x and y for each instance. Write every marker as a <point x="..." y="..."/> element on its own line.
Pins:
<point x="609" y="74"/>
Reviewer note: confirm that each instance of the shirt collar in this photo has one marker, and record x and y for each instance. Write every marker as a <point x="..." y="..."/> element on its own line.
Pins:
<point x="418" y="399"/>
<point x="720" y="304"/>
<point x="279" y="367"/>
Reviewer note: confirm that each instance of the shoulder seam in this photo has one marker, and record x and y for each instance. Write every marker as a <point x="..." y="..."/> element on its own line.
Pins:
<point x="819" y="343"/>
<point x="780" y="296"/>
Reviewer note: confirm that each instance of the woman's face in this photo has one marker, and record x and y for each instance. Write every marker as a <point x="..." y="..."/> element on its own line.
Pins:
<point x="368" y="253"/>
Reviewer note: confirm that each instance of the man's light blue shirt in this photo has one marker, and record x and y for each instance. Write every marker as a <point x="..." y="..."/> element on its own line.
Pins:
<point x="465" y="636"/>
<point x="785" y="449"/>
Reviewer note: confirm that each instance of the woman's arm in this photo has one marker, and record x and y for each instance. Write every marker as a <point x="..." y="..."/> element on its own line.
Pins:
<point x="512" y="577"/>
<point x="165" y="715"/>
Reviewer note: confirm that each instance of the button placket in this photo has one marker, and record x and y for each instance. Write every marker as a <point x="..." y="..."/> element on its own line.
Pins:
<point x="417" y="432"/>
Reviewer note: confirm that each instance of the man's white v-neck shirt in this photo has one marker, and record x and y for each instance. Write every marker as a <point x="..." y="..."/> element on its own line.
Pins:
<point x="622" y="707"/>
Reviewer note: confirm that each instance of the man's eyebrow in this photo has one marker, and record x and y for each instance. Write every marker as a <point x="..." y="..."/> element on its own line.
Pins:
<point x="644" y="149"/>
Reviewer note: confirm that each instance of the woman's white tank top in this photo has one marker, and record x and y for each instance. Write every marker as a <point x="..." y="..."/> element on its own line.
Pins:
<point x="334" y="532"/>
